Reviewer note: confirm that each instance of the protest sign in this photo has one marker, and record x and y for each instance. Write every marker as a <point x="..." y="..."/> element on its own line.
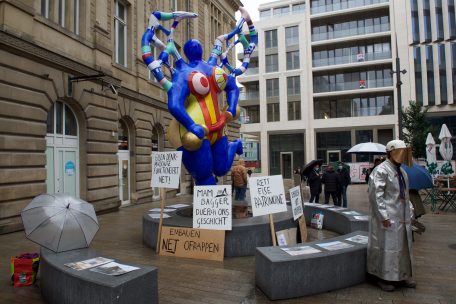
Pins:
<point x="296" y="203"/>
<point x="193" y="243"/>
<point x="166" y="168"/>
<point x="212" y="207"/>
<point x="267" y="195"/>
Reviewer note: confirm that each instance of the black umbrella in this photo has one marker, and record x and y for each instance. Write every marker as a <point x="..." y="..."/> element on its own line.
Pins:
<point x="307" y="168"/>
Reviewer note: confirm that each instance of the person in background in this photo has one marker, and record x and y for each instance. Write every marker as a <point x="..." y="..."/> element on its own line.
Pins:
<point x="314" y="182"/>
<point x="389" y="249"/>
<point x="377" y="162"/>
<point x="345" y="180"/>
<point x="239" y="178"/>
<point x="332" y="184"/>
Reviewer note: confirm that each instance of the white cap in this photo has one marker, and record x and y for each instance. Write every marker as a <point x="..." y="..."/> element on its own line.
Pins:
<point x="395" y="144"/>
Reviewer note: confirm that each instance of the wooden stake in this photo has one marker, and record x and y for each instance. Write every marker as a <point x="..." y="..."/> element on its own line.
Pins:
<point x="160" y="224"/>
<point x="303" y="228"/>
<point x="271" y="222"/>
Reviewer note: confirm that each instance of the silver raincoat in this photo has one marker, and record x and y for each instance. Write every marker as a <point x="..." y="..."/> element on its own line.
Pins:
<point x="389" y="251"/>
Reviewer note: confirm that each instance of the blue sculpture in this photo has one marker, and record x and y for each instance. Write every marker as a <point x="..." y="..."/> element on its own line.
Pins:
<point x="194" y="94"/>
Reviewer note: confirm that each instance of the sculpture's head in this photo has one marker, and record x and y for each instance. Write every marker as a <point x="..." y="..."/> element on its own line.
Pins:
<point x="193" y="50"/>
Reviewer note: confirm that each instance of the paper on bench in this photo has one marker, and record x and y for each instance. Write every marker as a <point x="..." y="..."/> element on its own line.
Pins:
<point x="360" y="239"/>
<point x="81" y="265"/>
<point x="301" y="250"/>
<point x="336" y="245"/>
<point x="113" y="268"/>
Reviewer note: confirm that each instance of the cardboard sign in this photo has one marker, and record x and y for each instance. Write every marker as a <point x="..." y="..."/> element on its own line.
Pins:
<point x="166" y="168"/>
<point x="286" y="237"/>
<point x="296" y="202"/>
<point x="267" y="195"/>
<point x="192" y="243"/>
<point x="212" y="207"/>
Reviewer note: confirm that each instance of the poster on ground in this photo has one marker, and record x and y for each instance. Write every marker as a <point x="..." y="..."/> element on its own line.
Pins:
<point x="193" y="243"/>
<point x="267" y="195"/>
<point x="166" y="169"/>
<point x="212" y="207"/>
<point x="296" y="202"/>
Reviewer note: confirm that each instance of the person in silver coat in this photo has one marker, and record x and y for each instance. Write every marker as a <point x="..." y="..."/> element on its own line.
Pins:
<point x="389" y="251"/>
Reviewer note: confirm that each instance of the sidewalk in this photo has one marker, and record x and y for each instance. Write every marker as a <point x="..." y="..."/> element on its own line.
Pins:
<point x="233" y="281"/>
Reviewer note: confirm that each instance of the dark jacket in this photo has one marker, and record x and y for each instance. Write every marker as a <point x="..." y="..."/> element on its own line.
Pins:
<point x="331" y="180"/>
<point x="344" y="177"/>
<point x="314" y="181"/>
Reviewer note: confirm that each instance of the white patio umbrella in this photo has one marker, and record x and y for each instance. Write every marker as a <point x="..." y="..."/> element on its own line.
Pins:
<point x="59" y="222"/>
<point x="446" y="148"/>
<point x="430" y="149"/>
<point x="368" y="148"/>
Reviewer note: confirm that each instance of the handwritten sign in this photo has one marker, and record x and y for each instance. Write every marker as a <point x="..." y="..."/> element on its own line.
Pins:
<point x="212" y="207"/>
<point x="267" y="195"/>
<point x="296" y="202"/>
<point x="166" y="168"/>
<point x="193" y="243"/>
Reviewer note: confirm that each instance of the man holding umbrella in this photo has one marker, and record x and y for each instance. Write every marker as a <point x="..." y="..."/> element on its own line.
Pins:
<point x="312" y="172"/>
<point x="389" y="251"/>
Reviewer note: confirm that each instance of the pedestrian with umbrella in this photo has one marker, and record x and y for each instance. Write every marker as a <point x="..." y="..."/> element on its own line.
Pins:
<point x="343" y="171"/>
<point x="312" y="172"/>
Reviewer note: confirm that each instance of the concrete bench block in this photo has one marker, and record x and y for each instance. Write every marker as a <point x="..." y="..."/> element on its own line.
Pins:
<point x="282" y="276"/>
<point x="63" y="285"/>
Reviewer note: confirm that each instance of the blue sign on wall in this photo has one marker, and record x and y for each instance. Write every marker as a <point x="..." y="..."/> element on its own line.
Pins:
<point x="69" y="168"/>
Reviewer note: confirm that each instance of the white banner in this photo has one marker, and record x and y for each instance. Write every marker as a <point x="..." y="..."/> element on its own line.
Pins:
<point x="212" y="207"/>
<point x="296" y="202"/>
<point x="267" y="195"/>
<point x="166" y="168"/>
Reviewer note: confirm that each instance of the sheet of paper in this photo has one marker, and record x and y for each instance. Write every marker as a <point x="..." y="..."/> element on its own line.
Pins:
<point x="300" y="250"/>
<point x="177" y="206"/>
<point x="86" y="264"/>
<point x="351" y="213"/>
<point x="360" y="239"/>
<point x="337" y="208"/>
<point x="157" y="215"/>
<point x="113" y="268"/>
<point x="164" y="210"/>
<point x="336" y="245"/>
<point x="362" y="217"/>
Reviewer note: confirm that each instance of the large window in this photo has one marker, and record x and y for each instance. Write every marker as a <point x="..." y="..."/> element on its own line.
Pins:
<point x="76" y="16"/>
<point x="380" y="77"/>
<point x="278" y="143"/>
<point x="427" y="21"/>
<point x="293" y="86"/>
<point x="322" y="6"/>
<point x="451" y="19"/>
<point x="350" y="28"/>
<point x="265" y="14"/>
<point x="293" y="60"/>
<point x="281" y="11"/>
<point x="334" y="141"/>
<point x="272" y="63"/>
<point x="291" y="35"/>
<point x="270" y="38"/>
<point x="442" y="75"/>
<point x="273" y="111"/>
<point x="294" y="110"/>
<point x="120" y="24"/>
<point x="252" y="114"/>
<point x="415" y="21"/>
<point x="62" y="11"/>
<point x="351" y="54"/>
<point x="430" y="75"/>
<point x="272" y="88"/>
<point x="418" y="74"/>
<point x="298" y="8"/>
<point x="439" y="19"/>
<point x="45" y="8"/>
<point x="368" y="105"/>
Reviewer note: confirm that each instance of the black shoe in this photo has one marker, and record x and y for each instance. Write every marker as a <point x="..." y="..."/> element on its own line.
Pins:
<point x="408" y="283"/>
<point x="385" y="285"/>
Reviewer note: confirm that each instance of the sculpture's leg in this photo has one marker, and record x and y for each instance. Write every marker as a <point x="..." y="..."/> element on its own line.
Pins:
<point x="199" y="164"/>
<point x="223" y="154"/>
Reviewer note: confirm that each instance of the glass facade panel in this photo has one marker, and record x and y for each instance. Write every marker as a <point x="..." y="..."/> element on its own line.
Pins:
<point x="272" y="63"/>
<point x="363" y="136"/>
<point x="294" y="110"/>
<point x="439" y="19"/>
<point x="371" y="105"/>
<point x="50" y="120"/>
<point x="293" y="86"/>
<point x="335" y="141"/>
<point x="415" y="21"/>
<point x="265" y="14"/>
<point x="442" y="75"/>
<point x="252" y="114"/>
<point x="298" y="8"/>
<point x="291" y="36"/>
<point x="285" y="143"/>
<point x="427" y="21"/>
<point x="293" y="60"/>
<point x="59" y="117"/>
<point x="120" y="22"/>
<point x="451" y="19"/>
<point x="71" y="126"/>
<point x="45" y="8"/>
<point x="270" y="38"/>
<point x="430" y="75"/>
<point x="273" y="112"/>
<point x="418" y="75"/>
<point x="322" y="6"/>
<point x="272" y="87"/>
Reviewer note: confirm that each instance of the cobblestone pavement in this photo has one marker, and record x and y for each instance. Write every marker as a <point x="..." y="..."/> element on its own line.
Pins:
<point x="233" y="281"/>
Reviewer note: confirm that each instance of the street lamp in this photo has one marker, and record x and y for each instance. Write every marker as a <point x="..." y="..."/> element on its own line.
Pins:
<point x="398" y="73"/>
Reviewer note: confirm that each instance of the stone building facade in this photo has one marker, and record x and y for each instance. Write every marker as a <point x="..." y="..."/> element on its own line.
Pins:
<point x="79" y="111"/>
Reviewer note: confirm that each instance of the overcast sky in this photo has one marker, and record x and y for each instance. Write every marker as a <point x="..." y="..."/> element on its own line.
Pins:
<point x="252" y="7"/>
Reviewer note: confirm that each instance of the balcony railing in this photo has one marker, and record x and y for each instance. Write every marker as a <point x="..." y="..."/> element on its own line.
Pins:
<point x="353" y="85"/>
<point x="250" y="95"/>
<point x="340" y="5"/>
<point x="351" y="59"/>
<point x="365" y="30"/>
<point x="252" y="71"/>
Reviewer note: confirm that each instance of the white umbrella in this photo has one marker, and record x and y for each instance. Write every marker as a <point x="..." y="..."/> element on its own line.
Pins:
<point x="59" y="222"/>
<point x="430" y="149"/>
<point x="368" y="148"/>
<point x="446" y="148"/>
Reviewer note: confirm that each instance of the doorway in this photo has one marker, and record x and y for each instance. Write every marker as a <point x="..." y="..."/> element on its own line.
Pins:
<point x="286" y="164"/>
<point x="333" y="156"/>
<point x="124" y="164"/>
<point x="62" y="151"/>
